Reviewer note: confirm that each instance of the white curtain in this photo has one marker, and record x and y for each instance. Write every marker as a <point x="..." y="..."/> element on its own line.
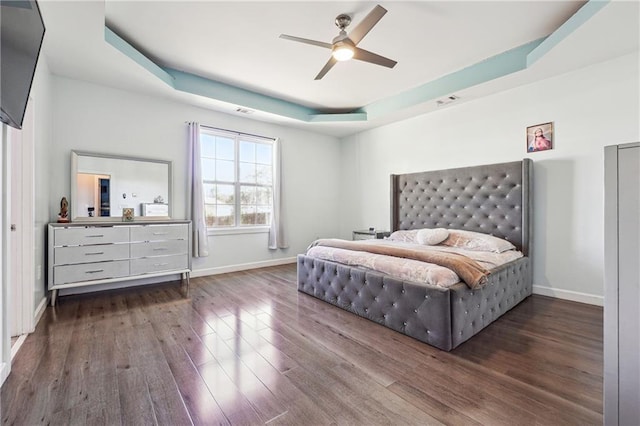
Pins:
<point x="195" y="206"/>
<point x="276" y="232"/>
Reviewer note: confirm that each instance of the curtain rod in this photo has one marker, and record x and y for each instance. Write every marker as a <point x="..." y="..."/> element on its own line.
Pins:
<point x="232" y="131"/>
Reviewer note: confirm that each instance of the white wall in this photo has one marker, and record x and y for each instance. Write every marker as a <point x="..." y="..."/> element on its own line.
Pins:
<point x="41" y="94"/>
<point x="95" y="118"/>
<point x="590" y="108"/>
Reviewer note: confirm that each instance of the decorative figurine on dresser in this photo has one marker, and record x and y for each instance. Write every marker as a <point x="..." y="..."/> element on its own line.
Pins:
<point x="86" y="253"/>
<point x="63" y="216"/>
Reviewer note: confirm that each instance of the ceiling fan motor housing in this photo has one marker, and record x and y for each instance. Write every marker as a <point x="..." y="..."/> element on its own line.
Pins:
<point x="342" y="21"/>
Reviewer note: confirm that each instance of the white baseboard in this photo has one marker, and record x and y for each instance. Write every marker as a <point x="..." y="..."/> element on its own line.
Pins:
<point x="575" y="296"/>
<point x="17" y="345"/>
<point x="39" y="312"/>
<point x="242" y="267"/>
<point x="4" y="372"/>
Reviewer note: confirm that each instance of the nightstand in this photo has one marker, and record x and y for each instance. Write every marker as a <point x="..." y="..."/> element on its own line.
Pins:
<point x="366" y="234"/>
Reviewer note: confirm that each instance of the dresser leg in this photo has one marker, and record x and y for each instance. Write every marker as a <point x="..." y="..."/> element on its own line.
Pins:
<point x="54" y="296"/>
<point x="186" y="274"/>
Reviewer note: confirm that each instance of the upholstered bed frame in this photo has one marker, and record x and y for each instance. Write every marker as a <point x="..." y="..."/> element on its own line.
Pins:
<point x="494" y="199"/>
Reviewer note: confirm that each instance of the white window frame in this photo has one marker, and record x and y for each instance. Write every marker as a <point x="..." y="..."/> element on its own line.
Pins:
<point x="237" y="137"/>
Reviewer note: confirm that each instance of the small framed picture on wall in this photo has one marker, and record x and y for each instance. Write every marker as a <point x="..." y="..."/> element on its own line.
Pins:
<point x="540" y="137"/>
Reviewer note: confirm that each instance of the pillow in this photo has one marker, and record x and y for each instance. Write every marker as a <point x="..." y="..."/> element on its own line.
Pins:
<point x="477" y="241"/>
<point x="404" y="236"/>
<point x="431" y="237"/>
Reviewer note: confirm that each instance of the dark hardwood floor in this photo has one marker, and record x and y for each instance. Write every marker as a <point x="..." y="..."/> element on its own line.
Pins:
<point x="247" y="348"/>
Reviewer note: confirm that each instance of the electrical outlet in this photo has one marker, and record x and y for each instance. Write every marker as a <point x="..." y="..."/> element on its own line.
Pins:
<point x="38" y="272"/>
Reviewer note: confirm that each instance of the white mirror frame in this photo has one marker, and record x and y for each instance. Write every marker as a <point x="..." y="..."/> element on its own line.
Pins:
<point x="74" y="187"/>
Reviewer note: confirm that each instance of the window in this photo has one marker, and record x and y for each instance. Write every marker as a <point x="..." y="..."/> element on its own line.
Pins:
<point x="237" y="174"/>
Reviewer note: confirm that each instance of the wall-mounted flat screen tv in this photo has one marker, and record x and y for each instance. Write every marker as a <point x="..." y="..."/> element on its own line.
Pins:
<point x="21" y="35"/>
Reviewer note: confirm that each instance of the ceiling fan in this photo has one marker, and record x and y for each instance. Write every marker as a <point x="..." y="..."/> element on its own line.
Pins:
<point x="344" y="47"/>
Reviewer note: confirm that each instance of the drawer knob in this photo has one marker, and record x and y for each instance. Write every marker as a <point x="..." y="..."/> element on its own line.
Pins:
<point x="95" y="236"/>
<point x="95" y="271"/>
<point x="160" y="264"/>
<point x="159" y="249"/>
<point x="94" y="253"/>
<point x="160" y="233"/>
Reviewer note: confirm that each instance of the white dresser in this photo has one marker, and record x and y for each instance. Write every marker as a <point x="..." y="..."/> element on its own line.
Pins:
<point x="83" y="254"/>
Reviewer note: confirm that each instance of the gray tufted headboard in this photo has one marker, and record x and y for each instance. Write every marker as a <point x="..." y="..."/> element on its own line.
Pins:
<point x="494" y="199"/>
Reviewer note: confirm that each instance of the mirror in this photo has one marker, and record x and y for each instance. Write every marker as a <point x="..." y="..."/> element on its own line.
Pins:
<point x="103" y="185"/>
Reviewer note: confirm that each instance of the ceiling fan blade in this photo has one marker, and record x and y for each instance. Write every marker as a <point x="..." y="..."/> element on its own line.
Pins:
<point x="363" y="28"/>
<point x="330" y="63"/>
<point x="307" y="41"/>
<point x="366" y="56"/>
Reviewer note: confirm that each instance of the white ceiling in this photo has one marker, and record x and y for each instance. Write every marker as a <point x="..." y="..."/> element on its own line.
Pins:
<point x="237" y="43"/>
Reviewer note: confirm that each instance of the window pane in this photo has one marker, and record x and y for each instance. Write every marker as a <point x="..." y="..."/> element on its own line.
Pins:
<point x="210" y="215"/>
<point x="248" y="172"/>
<point x="264" y="153"/>
<point x="247" y="152"/>
<point x="207" y="145"/>
<point x="263" y="174"/>
<point x="224" y="149"/>
<point x="209" y="193"/>
<point x="263" y="215"/>
<point x="226" y="194"/>
<point x="225" y="215"/>
<point x="224" y="171"/>
<point x="247" y="195"/>
<point x="263" y="196"/>
<point x="208" y="169"/>
<point x="237" y="180"/>
<point x="247" y="215"/>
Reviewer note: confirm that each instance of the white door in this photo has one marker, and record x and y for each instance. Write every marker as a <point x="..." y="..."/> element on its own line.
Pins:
<point x="15" y="245"/>
<point x="21" y="252"/>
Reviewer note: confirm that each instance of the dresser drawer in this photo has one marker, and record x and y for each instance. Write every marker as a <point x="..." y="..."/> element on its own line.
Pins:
<point x="159" y="248"/>
<point x="92" y="235"/>
<point x="150" y="265"/>
<point x="159" y="232"/>
<point x="90" y="271"/>
<point x="93" y="253"/>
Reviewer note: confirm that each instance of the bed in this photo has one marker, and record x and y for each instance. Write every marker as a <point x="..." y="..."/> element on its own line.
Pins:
<point x="493" y="199"/>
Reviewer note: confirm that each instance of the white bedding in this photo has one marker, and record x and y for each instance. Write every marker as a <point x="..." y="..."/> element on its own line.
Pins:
<point x="408" y="269"/>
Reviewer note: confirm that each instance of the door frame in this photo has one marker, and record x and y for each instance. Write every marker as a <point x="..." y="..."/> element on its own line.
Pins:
<point x="5" y="339"/>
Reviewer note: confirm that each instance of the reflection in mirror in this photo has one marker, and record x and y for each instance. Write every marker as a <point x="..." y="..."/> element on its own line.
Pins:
<point x="103" y="185"/>
<point x="93" y="194"/>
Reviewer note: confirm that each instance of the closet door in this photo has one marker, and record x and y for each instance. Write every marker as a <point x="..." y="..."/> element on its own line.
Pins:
<point x="629" y="285"/>
<point x="622" y="286"/>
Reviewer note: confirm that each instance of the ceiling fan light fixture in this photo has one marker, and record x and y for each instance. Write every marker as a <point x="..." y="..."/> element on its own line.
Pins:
<point x="342" y="51"/>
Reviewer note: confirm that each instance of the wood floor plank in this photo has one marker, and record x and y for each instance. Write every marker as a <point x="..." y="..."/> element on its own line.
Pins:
<point x="137" y="410"/>
<point x="233" y="403"/>
<point x="248" y="348"/>
<point x="203" y="408"/>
